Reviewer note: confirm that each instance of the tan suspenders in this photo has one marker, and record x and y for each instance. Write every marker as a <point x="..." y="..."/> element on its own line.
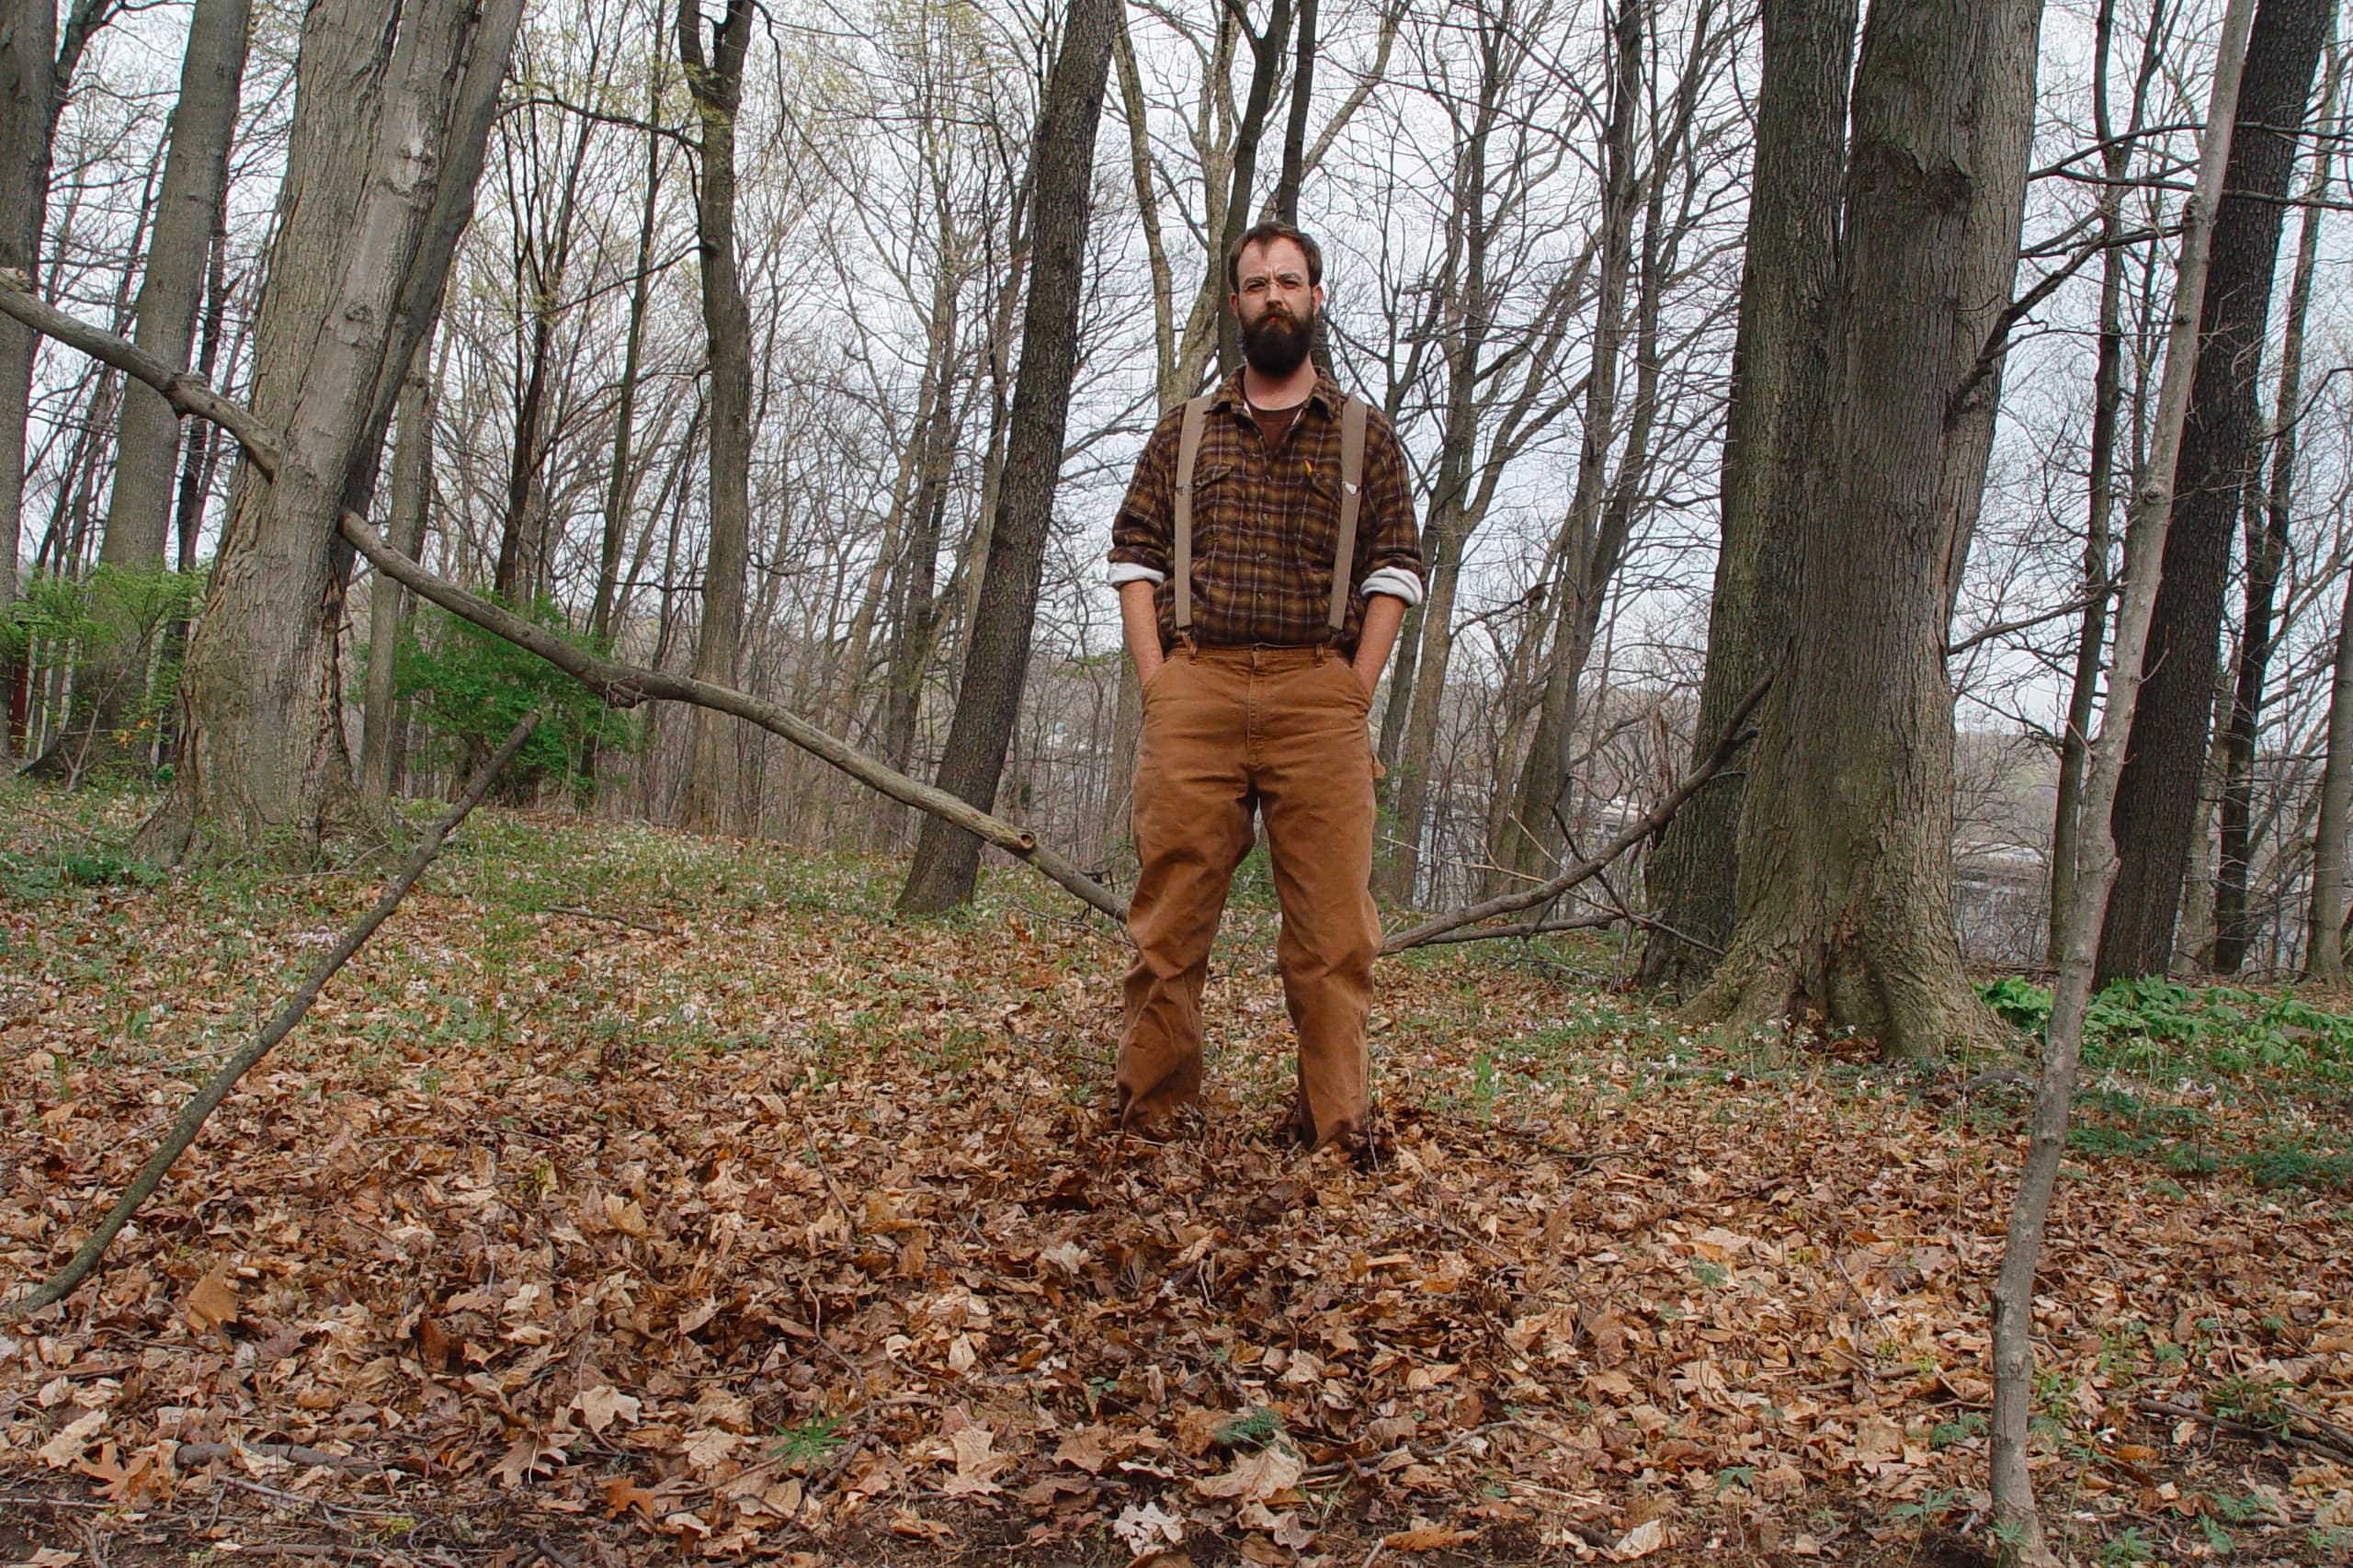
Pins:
<point x="1188" y="452"/>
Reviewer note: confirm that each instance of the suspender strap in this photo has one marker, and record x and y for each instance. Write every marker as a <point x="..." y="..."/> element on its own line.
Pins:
<point x="1344" y="559"/>
<point x="1188" y="448"/>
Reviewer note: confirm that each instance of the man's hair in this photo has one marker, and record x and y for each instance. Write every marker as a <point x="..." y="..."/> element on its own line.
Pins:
<point x="1268" y="232"/>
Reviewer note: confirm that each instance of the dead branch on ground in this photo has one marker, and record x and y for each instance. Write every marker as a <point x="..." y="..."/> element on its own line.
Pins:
<point x="198" y="1110"/>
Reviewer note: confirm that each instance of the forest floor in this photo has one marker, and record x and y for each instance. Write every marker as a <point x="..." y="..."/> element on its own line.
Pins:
<point x="637" y="1198"/>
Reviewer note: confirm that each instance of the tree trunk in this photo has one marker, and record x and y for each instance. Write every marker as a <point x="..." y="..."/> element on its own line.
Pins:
<point x="1846" y="842"/>
<point x="27" y="109"/>
<point x="2267" y="553"/>
<point x="1531" y="837"/>
<point x="172" y="287"/>
<point x="2017" y="1520"/>
<point x="412" y="486"/>
<point x="996" y="655"/>
<point x="2324" y="929"/>
<point x="1302" y="98"/>
<point x="391" y="114"/>
<point x="2156" y="798"/>
<point x="1778" y="370"/>
<point x="1267" y="64"/>
<point x="712" y="803"/>
<point x="621" y="483"/>
<point x="1419" y="687"/>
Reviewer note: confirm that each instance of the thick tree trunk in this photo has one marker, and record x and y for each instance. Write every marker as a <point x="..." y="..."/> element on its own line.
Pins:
<point x="27" y="109"/>
<point x="996" y="655"/>
<point x="712" y="802"/>
<point x="1778" y="370"/>
<point x="392" y="111"/>
<point x="380" y="720"/>
<point x="2156" y="798"/>
<point x="2267" y="554"/>
<point x="172" y="287"/>
<point x="1846" y="843"/>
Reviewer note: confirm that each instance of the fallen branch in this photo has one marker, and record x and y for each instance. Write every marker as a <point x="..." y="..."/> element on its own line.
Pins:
<point x="184" y="390"/>
<point x="193" y="1117"/>
<point x="624" y="686"/>
<point x="1528" y="929"/>
<point x="292" y="1453"/>
<point x="2287" y="1437"/>
<point x="1730" y="741"/>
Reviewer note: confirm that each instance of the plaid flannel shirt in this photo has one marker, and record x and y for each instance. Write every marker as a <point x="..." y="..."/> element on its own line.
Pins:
<point x="1266" y="524"/>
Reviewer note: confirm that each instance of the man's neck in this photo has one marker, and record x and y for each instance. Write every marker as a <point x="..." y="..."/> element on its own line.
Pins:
<point x="1265" y="391"/>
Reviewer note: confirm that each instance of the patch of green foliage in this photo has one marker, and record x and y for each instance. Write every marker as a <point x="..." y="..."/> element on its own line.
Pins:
<point x="2154" y="1022"/>
<point x="113" y="627"/>
<point x="472" y="686"/>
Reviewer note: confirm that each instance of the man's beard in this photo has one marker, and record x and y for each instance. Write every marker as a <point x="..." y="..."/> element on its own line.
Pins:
<point x="1276" y="342"/>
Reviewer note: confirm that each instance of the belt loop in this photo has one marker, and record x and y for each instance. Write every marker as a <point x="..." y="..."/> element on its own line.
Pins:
<point x="1321" y="649"/>
<point x="1192" y="648"/>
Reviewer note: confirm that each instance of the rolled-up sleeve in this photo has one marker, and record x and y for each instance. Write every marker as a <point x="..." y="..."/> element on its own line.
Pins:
<point x="1396" y="567"/>
<point x="1144" y="531"/>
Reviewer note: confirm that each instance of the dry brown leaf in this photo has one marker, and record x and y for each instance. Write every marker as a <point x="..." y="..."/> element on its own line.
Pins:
<point x="600" y="1406"/>
<point x="529" y="1458"/>
<point x="212" y="1303"/>
<point x="1426" y="1538"/>
<point x="1639" y="1541"/>
<point x="72" y="1441"/>
<point x="1255" y="1478"/>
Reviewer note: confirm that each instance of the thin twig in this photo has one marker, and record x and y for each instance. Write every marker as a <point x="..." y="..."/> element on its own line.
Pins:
<point x="193" y="1117"/>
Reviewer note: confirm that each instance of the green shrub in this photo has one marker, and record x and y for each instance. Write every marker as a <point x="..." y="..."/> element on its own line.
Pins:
<point x="113" y="627"/>
<point x="471" y="687"/>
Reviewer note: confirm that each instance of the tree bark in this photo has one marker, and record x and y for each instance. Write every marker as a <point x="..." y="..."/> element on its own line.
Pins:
<point x="28" y="111"/>
<point x="997" y="658"/>
<point x="1778" y="371"/>
<point x="621" y="483"/>
<point x="2267" y="553"/>
<point x="716" y="81"/>
<point x="1845" y="841"/>
<point x="2016" y="1517"/>
<point x="2156" y="798"/>
<point x="411" y="484"/>
<point x="391" y="114"/>
<point x="172" y="287"/>
<point x="1267" y="64"/>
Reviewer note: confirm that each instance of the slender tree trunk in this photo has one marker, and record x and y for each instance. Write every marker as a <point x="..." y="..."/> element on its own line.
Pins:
<point x="621" y="483"/>
<point x="411" y="484"/>
<point x="1302" y="98"/>
<point x="2015" y="1513"/>
<point x="2156" y="799"/>
<point x="996" y="655"/>
<point x="204" y="446"/>
<point x="1778" y="371"/>
<point x="172" y="287"/>
<point x="1418" y="692"/>
<point x="388" y="125"/>
<point x="1589" y="557"/>
<point x="1267" y="64"/>
<point x="1846" y="843"/>
<point x="717" y="83"/>
<point x="2324" y="927"/>
<point x="2267" y="553"/>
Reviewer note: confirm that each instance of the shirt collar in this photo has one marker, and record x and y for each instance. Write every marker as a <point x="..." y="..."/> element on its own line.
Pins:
<point x="1327" y="392"/>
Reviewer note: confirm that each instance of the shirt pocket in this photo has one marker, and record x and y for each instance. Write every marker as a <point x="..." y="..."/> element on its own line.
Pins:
<point x="1314" y="527"/>
<point x="1217" y="513"/>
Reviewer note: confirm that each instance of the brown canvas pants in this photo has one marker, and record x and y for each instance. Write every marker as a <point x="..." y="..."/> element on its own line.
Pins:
<point x="1227" y="731"/>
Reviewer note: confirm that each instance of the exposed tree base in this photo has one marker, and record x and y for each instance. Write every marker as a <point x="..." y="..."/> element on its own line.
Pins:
<point x="1916" y="1005"/>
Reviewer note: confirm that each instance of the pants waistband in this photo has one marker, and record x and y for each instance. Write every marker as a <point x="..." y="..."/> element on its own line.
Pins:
<point x="1263" y="656"/>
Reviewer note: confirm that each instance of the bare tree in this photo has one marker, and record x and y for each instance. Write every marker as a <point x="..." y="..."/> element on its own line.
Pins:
<point x="2157" y="797"/>
<point x="947" y="859"/>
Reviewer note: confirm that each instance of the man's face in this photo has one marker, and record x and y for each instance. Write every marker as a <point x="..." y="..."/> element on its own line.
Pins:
<point x="1276" y="307"/>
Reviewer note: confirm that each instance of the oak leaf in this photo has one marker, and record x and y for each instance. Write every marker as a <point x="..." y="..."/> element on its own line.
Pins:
<point x="1255" y="1478"/>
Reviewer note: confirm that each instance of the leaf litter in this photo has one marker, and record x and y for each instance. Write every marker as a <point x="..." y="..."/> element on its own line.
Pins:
<point x="757" y="1226"/>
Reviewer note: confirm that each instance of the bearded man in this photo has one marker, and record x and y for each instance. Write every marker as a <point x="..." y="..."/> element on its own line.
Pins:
<point x="1263" y="557"/>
